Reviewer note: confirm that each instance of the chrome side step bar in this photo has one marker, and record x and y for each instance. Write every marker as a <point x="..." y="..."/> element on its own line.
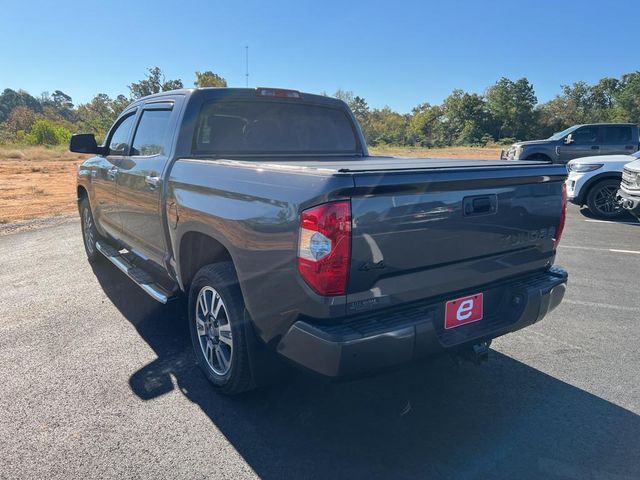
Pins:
<point x="139" y="277"/>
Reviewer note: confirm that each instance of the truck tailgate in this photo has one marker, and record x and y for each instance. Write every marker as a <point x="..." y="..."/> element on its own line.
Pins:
<point x="423" y="233"/>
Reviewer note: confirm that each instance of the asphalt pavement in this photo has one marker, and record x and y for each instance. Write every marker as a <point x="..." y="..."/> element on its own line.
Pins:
<point x="98" y="381"/>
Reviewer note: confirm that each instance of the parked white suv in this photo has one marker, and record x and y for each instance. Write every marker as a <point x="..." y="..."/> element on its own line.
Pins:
<point x="594" y="182"/>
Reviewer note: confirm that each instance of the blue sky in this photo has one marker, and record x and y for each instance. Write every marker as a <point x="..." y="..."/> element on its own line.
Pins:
<point x="392" y="53"/>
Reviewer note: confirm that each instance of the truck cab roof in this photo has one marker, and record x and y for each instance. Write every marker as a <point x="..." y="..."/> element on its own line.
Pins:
<point x="265" y="93"/>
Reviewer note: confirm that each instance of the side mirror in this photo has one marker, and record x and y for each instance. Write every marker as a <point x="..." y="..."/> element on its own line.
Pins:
<point x="85" y="143"/>
<point x="568" y="140"/>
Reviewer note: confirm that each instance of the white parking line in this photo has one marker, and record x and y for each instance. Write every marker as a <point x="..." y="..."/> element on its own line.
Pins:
<point x="607" y="221"/>
<point x="613" y="250"/>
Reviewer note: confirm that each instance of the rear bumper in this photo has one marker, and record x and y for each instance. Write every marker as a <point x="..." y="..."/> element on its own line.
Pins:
<point x="388" y="338"/>
<point x="631" y="203"/>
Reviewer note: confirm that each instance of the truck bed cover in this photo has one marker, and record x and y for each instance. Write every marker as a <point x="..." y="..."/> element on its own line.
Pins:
<point x="371" y="163"/>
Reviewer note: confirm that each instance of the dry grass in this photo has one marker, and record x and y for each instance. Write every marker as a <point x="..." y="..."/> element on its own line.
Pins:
<point x="483" y="153"/>
<point x="18" y="154"/>
<point x="37" y="182"/>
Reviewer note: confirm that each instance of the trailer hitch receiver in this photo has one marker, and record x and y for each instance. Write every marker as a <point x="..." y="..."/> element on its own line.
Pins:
<point x="476" y="354"/>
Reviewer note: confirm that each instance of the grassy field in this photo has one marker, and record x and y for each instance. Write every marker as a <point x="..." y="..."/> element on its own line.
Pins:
<point x="484" y="153"/>
<point x="39" y="182"/>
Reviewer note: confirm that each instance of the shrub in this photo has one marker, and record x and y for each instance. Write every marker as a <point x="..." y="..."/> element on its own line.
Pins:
<point x="507" y="141"/>
<point x="21" y="137"/>
<point x="486" y="140"/>
<point x="45" y="132"/>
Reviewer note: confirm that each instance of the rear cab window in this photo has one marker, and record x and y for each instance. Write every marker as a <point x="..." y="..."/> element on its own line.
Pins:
<point x="617" y="135"/>
<point x="271" y="127"/>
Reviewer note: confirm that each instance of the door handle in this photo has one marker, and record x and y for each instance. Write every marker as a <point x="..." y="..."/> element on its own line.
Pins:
<point x="112" y="172"/>
<point x="595" y="147"/>
<point x="152" y="181"/>
<point x="629" y="147"/>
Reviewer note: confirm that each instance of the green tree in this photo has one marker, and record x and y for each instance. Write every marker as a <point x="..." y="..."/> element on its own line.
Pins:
<point x="551" y="118"/>
<point x="209" y="79"/>
<point x="119" y="103"/>
<point x="511" y="106"/>
<point x="61" y="100"/>
<point x="426" y="126"/>
<point x="627" y="99"/>
<point x="58" y="106"/>
<point x="387" y="127"/>
<point x="466" y="118"/>
<point x="154" y="83"/>
<point x="604" y="93"/>
<point x="345" y="95"/>
<point x="10" y="99"/>
<point x="98" y="115"/>
<point x="360" y="110"/>
<point x="578" y="103"/>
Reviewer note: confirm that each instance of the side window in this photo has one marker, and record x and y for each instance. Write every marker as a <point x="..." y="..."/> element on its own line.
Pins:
<point x="617" y="135"/>
<point x="586" y="136"/>
<point x="118" y="144"/>
<point x="152" y="135"/>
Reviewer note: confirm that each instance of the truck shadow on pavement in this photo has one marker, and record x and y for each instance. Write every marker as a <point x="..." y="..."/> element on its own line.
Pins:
<point x="624" y="218"/>
<point x="428" y="420"/>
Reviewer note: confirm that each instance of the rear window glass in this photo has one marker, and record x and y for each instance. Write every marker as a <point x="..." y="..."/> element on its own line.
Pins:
<point x="617" y="135"/>
<point x="251" y="128"/>
<point x="585" y="136"/>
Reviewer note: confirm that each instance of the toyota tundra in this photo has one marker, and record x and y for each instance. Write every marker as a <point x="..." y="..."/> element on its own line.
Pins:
<point x="263" y="207"/>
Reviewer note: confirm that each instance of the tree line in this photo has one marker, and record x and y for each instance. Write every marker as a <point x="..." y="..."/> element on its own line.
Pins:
<point x="507" y="111"/>
<point x="51" y="118"/>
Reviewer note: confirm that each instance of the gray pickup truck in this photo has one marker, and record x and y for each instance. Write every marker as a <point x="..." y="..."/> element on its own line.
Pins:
<point x="263" y="207"/>
<point x="578" y="141"/>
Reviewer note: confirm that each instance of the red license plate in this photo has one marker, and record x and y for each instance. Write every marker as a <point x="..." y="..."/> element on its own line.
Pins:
<point x="463" y="310"/>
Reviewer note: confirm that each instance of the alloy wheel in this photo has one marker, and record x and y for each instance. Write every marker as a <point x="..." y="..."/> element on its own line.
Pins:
<point x="87" y="227"/>
<point x="606" y="201"/>
<point x="214" y="330"/>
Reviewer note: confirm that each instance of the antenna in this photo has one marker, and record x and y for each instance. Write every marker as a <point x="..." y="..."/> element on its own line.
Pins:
<point x="246" y="75"/>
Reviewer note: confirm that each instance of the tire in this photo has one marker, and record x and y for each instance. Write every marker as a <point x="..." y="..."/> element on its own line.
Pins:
<point x="90" y="234"/>
<point x="601" y="199"/>
<point x="219" y="329"/>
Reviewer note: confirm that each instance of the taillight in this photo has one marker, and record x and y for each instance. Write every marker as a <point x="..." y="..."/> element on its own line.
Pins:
<point x="324" y="247"/>
<point x="563" y="216"/>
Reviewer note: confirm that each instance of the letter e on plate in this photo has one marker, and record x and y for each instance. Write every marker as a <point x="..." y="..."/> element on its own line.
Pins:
<point x="463" y="310"/>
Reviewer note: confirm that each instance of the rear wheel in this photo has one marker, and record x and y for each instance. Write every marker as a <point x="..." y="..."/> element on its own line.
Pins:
<point x="218" y="330"/>
<point x="90" y="234"/>
<point x="602" y="199"/>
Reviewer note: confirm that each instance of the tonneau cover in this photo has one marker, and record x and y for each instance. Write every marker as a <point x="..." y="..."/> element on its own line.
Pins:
<point x="369" y="164"/>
